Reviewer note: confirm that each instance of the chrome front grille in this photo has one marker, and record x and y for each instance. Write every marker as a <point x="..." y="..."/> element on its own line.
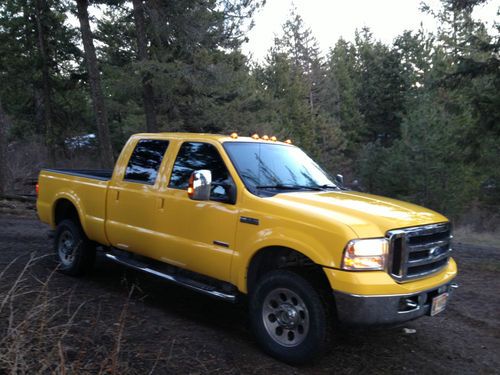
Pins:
<point x="419" y="251"/>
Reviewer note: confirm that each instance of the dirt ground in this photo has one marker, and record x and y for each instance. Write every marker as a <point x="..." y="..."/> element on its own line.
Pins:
<point x="117" y="320"/>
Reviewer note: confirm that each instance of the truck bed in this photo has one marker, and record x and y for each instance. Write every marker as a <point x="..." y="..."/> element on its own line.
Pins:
<point x="85" y="189"/>
<point x="100" y="174"/>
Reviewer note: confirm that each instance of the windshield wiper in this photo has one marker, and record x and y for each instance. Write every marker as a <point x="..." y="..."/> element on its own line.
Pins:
<point x="290" y="187"/>
<point x="328" y="186"/>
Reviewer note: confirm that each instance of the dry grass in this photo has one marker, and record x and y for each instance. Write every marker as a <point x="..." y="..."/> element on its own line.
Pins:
<point x="41" y="330"/>
<point x="467" y="234"/>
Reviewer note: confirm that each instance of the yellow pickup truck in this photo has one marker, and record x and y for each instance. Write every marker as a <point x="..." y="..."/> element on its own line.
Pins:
<point x="233" y="216"/>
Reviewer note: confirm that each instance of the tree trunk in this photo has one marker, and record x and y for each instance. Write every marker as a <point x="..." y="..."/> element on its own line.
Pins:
<point x="50" y="141"/>
<point x="147" y="88"/>
<point x="156" y="22"/>
<point x="101" y="116"/>
<point x="4" y="122"/>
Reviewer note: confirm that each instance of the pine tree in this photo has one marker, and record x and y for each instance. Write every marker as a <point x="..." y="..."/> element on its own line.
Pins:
<point x="143" y="57"/>
<point x="293" y="77"/>
<point x="39" y="65"/>
<point x="382" y="89"/>
<point x="196" y="72"/>
<point x="341" y="93"/>
<point x="298" y="43"/>
<point x="100" y="112"/>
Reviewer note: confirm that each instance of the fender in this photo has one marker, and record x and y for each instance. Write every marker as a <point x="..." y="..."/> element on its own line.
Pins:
<point x="73" y="198"/>
<point x="305" y="243"/>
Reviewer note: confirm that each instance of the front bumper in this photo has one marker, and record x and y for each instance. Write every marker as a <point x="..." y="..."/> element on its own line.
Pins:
<point x="364" y="310"/>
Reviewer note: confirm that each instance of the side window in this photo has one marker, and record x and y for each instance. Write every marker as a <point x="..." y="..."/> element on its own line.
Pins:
<point x="194" y="156"/>
<point x="145" y="161"/>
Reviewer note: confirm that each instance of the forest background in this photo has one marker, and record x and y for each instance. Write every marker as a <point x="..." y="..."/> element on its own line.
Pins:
<point x="417" y="119"/>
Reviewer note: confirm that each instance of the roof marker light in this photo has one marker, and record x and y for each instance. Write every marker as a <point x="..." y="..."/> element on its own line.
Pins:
<point x="288" y="141"/>
<point x="265" y="138"/>
<point x="255" y="136"/>
<point x="234" y="135"/>
<point x="274" y="139"/>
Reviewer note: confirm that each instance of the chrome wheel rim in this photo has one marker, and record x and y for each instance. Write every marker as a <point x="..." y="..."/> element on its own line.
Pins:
<point x="285" y="317"/>
<point x="66" y="248"/>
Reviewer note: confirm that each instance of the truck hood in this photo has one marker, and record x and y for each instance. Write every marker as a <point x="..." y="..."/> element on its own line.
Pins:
<point x="366" y="214"/>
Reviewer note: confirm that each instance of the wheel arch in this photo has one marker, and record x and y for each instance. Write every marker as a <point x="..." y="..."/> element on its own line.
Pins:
<point x="271" y="258"/>
<point x="63" y="208"/>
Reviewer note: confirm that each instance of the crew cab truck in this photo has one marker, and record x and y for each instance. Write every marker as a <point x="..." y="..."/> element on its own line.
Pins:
<point x="230" y="216"/>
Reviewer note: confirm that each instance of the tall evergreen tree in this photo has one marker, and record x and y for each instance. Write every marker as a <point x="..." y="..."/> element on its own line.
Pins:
<point x="193" y="64"/>
<point x="143" y="56"/>
<point x="39" y="63"/>
<point x="383" y="88"/>
<point x="101" y="116"/>
<point x="293" y="77"/>
<point x="299" y="44"/>
<point x="41" y="15"/>
<point x="341" y="93"/>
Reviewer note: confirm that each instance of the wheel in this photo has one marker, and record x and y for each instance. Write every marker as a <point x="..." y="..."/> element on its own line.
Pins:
<point x="289" y="317"/>
<point x="74" y="252"/>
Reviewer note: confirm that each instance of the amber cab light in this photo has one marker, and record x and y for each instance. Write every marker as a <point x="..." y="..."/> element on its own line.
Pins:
<point x="234" y="135"/>
<point x="265" y="137"/>
<point x="37" y="188"/>
<point x="288" y="141"/>
<point x="274" y="139"/>
<point x="255" y="136"/>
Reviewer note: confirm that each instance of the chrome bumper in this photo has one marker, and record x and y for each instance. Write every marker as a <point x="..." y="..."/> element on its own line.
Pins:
<point x="367" y="310"/>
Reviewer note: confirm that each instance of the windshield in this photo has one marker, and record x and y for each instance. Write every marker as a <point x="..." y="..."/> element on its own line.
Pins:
<point x="268" y="166"/>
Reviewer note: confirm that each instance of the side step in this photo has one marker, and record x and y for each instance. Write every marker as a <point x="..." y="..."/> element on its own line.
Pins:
<point x="209" y="290"/>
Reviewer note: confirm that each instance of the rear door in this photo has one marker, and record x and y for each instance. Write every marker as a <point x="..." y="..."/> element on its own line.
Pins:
<point x="133" y="198"/>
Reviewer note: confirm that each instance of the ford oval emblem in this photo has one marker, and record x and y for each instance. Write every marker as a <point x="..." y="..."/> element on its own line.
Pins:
<point x="434" y="251"/>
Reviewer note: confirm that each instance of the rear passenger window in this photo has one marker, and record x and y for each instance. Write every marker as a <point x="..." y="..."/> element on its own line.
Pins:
<point x="194" y="156"/>
<point x="145" y="161"/>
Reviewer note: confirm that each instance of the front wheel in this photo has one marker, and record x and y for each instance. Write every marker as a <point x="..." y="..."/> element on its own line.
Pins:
<point x="74" y="252"/>
<point x="289" y="317"/>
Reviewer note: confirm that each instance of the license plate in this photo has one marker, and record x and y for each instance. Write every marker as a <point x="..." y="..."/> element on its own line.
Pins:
<point x="439" y="303"/>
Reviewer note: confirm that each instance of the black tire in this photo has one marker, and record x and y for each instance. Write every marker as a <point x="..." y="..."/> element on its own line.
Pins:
<point x="289" y="317"/>
<point x="75" y="254"/>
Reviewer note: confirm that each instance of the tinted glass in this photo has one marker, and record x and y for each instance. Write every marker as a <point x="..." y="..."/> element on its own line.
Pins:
<point x="195" y="156"/>
<point x="145" y="161"/>
<point x="268" y="165"/>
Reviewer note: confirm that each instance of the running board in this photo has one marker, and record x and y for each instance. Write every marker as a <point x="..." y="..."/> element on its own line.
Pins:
<point x="179" y="280"/>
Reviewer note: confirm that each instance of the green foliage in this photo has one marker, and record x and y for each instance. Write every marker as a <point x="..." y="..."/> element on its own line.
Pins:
<point x="21" y="65"/>
<point x="383" y="88"/>
<point x="427" y="165"/>
<point x="294" y="85"/>
<point x="340" y="92"/>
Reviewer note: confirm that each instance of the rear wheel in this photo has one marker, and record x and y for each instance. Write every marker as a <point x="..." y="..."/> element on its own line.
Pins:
<point x="74" y="252"/>
<point x="289" y="317"/>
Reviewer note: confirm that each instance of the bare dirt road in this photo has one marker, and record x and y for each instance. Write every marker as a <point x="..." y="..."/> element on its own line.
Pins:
<point x="117" y="320"/>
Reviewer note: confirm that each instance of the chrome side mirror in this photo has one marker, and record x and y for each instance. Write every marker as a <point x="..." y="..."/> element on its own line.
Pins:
<point x="339" y="179"/>
<point x="200" y="184"/>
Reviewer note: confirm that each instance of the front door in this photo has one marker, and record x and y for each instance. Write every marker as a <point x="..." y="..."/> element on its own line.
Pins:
<point x="202" y="232"/>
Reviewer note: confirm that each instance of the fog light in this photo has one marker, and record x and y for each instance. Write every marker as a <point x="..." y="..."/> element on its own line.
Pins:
<point x="408" y="303"/>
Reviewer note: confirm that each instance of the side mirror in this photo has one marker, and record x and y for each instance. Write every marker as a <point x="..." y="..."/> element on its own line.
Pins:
<point x="355" y="185"/>
<point x="339" y="179"/>
<point x="200" y="184"/>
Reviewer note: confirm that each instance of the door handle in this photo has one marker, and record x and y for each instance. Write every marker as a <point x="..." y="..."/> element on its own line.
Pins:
<point x="160" y="203"/>
<point x="117" y="195"/>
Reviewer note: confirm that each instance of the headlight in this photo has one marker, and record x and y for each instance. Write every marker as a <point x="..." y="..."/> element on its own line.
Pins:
<point x="369" y="254"/>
